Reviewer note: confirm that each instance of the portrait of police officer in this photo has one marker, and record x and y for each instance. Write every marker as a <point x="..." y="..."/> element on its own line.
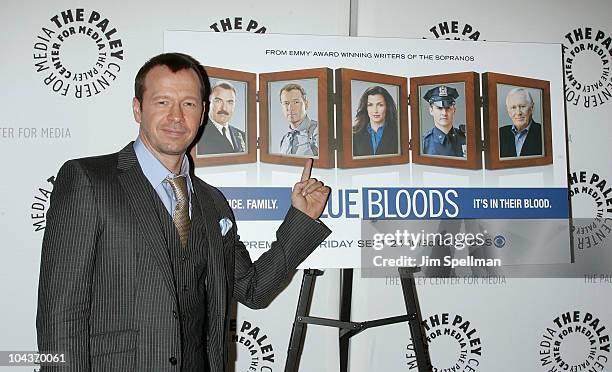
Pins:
<point x="444" y="138"/>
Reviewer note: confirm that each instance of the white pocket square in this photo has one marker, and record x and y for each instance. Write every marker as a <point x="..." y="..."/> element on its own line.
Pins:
<point x="225" y="224"/>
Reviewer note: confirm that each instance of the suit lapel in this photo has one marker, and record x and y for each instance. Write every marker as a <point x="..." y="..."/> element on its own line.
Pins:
<point x="216" y="267"/>
<point x="140" y="195"/>
<point x="386" y="146"/>
<point x="198" y="234"/>
<point x="533" y="141"/>
<point x="508" y="144"/>
<point x="366" y="140"/>
<point x="236" y="138"/>
<point x="216" y="280"/>
<point x="220" y="140"/>
<point x="234" y="143"/>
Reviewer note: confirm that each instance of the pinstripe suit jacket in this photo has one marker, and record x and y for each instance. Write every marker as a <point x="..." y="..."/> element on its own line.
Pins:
<point x="107" y="296"/>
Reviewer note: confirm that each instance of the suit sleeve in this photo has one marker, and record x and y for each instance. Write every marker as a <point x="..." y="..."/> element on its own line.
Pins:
<point x="68" y="250"/>
<point x="256" y="284"/>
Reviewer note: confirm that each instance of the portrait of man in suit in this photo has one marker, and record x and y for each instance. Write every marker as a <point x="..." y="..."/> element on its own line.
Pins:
<point x="302" y="136"/>
<point x="220" y="136"/>
<point x="141" y="259"/>
<point x="524" y="136"/>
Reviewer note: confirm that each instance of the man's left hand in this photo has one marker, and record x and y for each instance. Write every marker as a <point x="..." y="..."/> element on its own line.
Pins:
<point x="310" y="195"/>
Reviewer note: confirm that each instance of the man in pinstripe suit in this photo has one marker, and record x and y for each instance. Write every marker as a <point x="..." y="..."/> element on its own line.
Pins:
<point x="121" y="288"/>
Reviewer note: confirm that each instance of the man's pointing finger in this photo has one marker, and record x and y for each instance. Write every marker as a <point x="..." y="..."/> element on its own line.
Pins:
<point x="307" y="170"/>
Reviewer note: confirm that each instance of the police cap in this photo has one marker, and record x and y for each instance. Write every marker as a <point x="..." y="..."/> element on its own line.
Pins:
<point x="441" y="96"/>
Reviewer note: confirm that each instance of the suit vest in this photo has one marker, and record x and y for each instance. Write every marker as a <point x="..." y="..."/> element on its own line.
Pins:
<point x="189" y="272"/>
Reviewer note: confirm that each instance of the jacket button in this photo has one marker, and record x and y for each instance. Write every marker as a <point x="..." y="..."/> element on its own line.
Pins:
<point x="174" y="314"/>
<point x="172" y="361"/>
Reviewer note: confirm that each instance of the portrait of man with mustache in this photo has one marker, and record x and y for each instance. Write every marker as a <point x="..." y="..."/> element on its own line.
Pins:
<point x="220" y="137"/>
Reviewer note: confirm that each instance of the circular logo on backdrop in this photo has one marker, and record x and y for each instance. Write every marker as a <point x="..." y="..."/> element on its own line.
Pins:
<point x="454" y="30"/>
<point x="453" y="341"/>
<point x="78" y="53"/>
<point x="592" y="207"/>
<point x="586" y="61"/>
<point x="40" y="204"/>
<point x="254" y="351"/>
<point x="575" y="341"/>
<point x="238" y="24"/>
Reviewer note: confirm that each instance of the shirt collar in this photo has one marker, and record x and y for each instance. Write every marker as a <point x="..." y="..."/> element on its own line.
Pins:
<point x="439" y="136"/>
<point x="381" y="128"/>
<point x="526" y="130"/>
<point x="219" y="126"/>
<point x="302" y="127"/>
<point x="154" y="170"/>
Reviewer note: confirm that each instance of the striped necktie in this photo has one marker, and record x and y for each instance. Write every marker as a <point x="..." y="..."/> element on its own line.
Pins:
<point x="180" y="216"/>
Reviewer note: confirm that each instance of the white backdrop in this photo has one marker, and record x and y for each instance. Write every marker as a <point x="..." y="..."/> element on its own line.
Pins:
<point x="509" y="316"/>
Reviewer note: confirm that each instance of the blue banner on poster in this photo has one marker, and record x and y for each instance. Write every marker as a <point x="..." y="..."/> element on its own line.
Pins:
<point x="258" y="203"/>
<point x="482" y="203"/>
<point x="271" y="203"/>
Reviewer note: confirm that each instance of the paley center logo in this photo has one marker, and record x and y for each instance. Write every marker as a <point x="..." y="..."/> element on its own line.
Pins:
<point x="592" y="205"/>
<point x="238" y="24"/>
<point x="575" y="341"/>
<point x="255" y="351"/>
<point x="78" y="53"/>
<point x="452" y="337"/>
<point x="40" y="205"/>
<point x="587" y="53"/>
<point x="454" y="30"/>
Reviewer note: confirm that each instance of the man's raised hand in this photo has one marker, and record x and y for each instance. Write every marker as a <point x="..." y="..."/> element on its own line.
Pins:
<point x="310" y="195"/>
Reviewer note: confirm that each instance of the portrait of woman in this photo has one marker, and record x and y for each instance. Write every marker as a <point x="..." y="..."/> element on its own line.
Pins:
<point x="375" y="126"/>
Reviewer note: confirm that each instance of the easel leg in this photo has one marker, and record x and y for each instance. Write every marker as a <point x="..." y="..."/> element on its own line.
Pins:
<point x="298" y="332"/>
<point x="416" y="320"/>
<point x="346" y="297"/>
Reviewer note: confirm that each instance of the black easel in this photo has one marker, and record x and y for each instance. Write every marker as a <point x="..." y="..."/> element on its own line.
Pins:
<point x="347" y="328"/>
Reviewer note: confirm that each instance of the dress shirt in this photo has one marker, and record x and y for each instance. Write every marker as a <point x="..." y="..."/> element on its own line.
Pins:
<point x="519" y="137"/>
<point x="303" y="140"/>
<point x="158" y="175"/>
<point x="375" y="135"/>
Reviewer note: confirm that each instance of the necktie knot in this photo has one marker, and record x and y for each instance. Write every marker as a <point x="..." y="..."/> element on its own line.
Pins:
<point x="180" y="215"/>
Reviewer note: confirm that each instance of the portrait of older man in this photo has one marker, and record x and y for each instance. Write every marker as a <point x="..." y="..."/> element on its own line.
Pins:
<point x="524" y="136"/>
<point x="302" y="137"/>
<point x="219" y="136"/>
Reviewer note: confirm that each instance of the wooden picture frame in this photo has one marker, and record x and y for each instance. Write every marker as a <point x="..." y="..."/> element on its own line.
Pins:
<point x="467" y="106"/>
<point x="354" y="88"/>
<point x="244" y="84"/>
<point x="498" y="149"/>
<point x="273" y="127"/>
